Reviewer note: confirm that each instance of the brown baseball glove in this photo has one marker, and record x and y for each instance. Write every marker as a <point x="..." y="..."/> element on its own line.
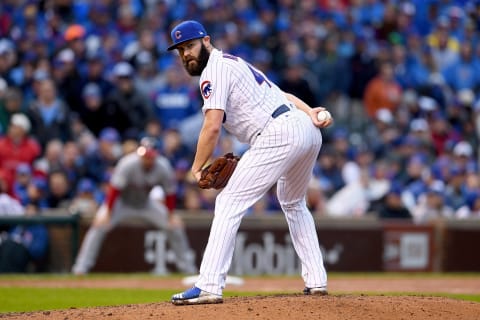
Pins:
<point x="217" y="174"/>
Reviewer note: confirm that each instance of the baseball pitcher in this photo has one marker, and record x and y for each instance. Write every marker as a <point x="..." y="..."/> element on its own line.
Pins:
<point x="129" y="196"/>
<point x="284" y="138"/>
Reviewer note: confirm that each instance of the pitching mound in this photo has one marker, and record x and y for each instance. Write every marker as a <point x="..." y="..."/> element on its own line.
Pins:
<point x="279" y="308"/>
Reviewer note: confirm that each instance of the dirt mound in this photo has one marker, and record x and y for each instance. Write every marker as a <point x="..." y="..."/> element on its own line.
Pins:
<point x="280" y="307"/>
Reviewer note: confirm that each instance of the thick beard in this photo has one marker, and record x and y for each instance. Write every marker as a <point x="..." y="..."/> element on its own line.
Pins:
<point x="202" y="61"/>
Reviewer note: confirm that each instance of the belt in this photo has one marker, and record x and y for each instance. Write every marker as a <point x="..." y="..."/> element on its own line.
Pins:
<point x="280" y="110"/>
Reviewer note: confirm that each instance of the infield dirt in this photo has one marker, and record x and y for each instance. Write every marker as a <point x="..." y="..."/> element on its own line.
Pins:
<point x="347" y="300"/>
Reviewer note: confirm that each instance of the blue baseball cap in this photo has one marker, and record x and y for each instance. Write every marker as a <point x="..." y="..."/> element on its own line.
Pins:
<point x="109" y="134"/>
<point x="86" y="185"/>
<point x="186" y="31"/>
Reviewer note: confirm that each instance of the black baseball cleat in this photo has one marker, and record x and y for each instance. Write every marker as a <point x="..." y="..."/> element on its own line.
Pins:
<point x="319" y="291"/>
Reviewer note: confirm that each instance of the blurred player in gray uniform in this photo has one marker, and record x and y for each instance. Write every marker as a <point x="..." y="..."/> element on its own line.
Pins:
<point x="128" y="196"/>
<point x="285" y="140"/>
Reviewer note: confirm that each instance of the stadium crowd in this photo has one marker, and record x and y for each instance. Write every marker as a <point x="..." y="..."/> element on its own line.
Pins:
<point x="82" y="81"/>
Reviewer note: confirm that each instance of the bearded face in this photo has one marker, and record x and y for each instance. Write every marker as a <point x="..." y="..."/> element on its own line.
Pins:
<point x="195" y="65"/>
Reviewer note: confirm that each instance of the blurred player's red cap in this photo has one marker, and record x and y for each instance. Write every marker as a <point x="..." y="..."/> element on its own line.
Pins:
<point x="147" y="147"/>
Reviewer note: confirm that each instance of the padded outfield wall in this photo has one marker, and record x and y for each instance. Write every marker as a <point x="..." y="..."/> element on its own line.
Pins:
<point x="263" y="245"/>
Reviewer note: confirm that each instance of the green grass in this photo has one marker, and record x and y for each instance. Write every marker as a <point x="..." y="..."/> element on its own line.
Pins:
<point x="22" y="299"/>
<point x="32" y="299"/>
<point x="467" y="297"/>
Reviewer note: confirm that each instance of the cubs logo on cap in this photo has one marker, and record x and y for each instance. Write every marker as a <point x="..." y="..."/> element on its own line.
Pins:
<point x="186" y="31"/>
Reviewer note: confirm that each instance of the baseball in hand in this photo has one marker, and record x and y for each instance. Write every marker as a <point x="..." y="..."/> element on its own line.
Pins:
<point x="323" y="115"/>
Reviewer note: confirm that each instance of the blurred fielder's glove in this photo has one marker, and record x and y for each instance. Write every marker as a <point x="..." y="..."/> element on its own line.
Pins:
<point x="217" y="174"/>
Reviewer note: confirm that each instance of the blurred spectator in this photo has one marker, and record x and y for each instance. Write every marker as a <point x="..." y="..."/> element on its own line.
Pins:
<point x="363" y="68"/>
<point x="176" y="100"/>
<point x="380" y="181"/>
<point x="17" y="146"/>
<point x="190" y="128"/>
<point x="391" y="206"/>
<point x="191" y="198"/>
<point x="129" y="144"/>
<point x="51" y="158"/>
<point x="8" y="59"/>
<point x="21" y="245"/>
<point x="30" y="93"/>
<point x="294" y="81"/>
<point x="11" y="103"/>
<point x="463" y="156"/>
<point x="328" y="172"/>
<point x="148" y="78"/>
<point x="352" y="200"/>
<point x="67" y="78"/>
<point x="9" y="205"/>
<point x="95" y="72"/>
<point x="471" y="208"/>
<point x="36" y="195"/>
<point x="75" y="36"/>
<point x="315" y="198"/>
<point x="85" y="200"/>
<point x="93" y="111"/>
<point x="145" y="42"/>
<point x="127" y="107"/>
<point x="72" y="162"/>
<point x="50" y="115"/>
<point x="182" y="171"/>
<point x="262" y="60"/>
<point x="455" y="189"/>
<point x="464" y="72"/>
<point x="23" y="178"/>
<point x="35" y="240"/>
<point x="172" y="146"/>
<point x="413" y="169"/>
<point x="60" y="191"/>
<point x="420" y="130"/>
<point x="444" y="47"/>
<point x="382" y="91"/>
<point x="104" y="158"/>
<point x="153" y="129"/>
<point x="388" y="25"/>
<point x="333" y="77"/>
<point x="401" y="66"/>
<point x="432" y="205"/>
<point x="441" y="133"/>
<point x="362" y="160"/>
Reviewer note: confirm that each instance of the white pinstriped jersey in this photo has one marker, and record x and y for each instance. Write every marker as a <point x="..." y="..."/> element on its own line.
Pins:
<point x="244" y="93"/>
<point x="135" y="183"/>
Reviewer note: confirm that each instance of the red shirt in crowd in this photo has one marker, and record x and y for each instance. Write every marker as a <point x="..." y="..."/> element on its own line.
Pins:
<point x="12" y="154"/>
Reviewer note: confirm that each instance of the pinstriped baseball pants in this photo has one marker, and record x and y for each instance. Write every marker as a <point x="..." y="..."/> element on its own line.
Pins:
<point x="284" y="153"/>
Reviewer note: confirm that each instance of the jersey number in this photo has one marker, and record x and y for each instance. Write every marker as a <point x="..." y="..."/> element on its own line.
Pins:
<point x="256" y="74"/>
